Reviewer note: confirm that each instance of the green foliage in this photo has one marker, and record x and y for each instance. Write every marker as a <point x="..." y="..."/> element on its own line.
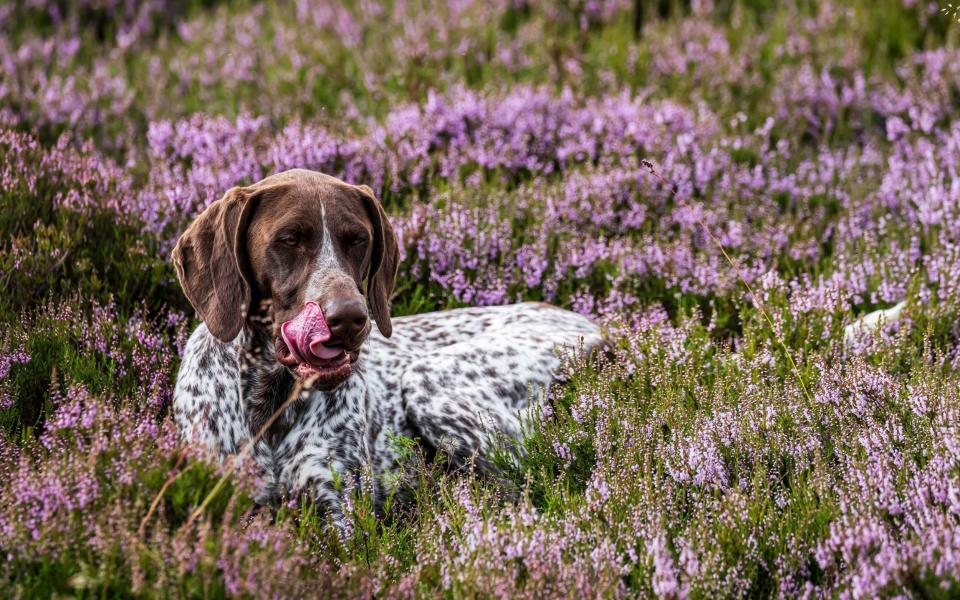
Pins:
<point x="48" y="251"/>
<point x="89" y="296"/>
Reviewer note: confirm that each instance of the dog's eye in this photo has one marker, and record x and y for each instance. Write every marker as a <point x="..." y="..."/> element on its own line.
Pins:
<point x="358" y="241"/>
<point x="290" y="240"/>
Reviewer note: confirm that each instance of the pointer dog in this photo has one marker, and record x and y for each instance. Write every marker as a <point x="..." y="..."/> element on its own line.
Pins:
<point x="286" y="275"/>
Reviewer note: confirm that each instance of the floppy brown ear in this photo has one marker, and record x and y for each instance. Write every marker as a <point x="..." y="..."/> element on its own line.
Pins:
<point x="210" y="261"/>
<point x="382" y="276"/>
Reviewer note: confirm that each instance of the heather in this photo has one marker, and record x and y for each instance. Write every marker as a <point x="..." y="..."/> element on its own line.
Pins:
<point x="725" y="185"/>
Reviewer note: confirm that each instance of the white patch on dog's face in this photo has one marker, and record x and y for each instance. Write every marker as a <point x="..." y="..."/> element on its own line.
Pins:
<point x="328" y="271"/>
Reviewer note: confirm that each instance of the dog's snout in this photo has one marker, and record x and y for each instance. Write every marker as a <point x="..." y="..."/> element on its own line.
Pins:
<point x="347" y="319"/>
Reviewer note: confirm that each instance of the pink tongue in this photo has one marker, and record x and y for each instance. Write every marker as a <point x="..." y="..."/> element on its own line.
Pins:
<point x="317" y="349"/>
<point x="305" y="336"/>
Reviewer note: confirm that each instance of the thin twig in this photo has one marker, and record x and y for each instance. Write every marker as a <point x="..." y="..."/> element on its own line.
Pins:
<point x="156" y="501"/>
<point x="757" y="299"/>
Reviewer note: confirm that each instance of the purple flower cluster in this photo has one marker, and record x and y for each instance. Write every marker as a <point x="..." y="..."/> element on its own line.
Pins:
<point x="520" y="553"/>
<point x="81" y="491"/>
<point x="754" y="468"/>
<point x="734" y="442"/>
<point x="573" y="168"/>
<point x="12" y="355"/>
<point x="81" y="179"/>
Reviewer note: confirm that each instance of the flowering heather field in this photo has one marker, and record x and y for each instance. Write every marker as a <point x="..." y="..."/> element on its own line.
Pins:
<point x="733" y="444"/>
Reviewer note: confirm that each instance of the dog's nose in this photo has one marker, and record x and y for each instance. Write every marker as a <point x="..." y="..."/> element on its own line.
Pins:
<point x="346" y="319"/>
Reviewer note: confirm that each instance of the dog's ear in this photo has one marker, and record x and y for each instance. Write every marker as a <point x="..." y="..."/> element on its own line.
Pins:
<point x="211" y="262"/>
<point x="382" y="276"/>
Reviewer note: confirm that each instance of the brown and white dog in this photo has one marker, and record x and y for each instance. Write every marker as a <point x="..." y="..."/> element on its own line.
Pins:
<point x="286" y="275"/>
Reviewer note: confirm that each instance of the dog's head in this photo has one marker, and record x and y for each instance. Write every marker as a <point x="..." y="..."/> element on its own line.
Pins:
<point x="310" y="248"/>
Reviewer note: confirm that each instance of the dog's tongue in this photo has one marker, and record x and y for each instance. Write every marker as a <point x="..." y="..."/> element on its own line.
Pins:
<point x="305" y="336"/>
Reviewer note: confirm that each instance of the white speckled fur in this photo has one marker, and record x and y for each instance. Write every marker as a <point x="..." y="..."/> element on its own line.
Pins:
<point x="327" y="268"/>
<point x="453" y="379"/>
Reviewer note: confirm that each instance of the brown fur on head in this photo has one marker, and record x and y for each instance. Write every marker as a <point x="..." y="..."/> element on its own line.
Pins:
<point x="291" y="238"/>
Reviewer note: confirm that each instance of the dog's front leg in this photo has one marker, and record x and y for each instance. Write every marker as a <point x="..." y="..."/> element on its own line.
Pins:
<point x="207" y="399"/>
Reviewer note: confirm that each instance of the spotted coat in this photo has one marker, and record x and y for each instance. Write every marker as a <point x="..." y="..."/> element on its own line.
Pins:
<point x="455" y="380"/>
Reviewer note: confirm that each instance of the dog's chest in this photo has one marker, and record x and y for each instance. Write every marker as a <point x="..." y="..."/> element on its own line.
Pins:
<point x="323" y="439"/>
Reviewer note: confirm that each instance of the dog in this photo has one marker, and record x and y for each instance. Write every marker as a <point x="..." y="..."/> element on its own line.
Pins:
<point x="299" y="359"/>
